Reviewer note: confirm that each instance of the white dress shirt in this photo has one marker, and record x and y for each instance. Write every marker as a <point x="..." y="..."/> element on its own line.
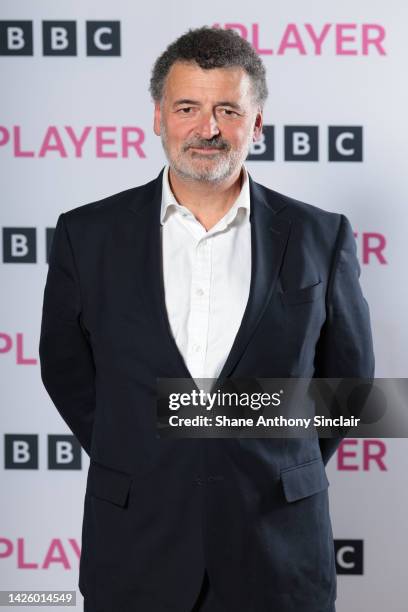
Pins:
<point x="206" y="279"/>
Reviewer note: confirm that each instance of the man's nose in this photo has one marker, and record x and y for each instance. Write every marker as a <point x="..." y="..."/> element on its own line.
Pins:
<point x="207" y="126"/>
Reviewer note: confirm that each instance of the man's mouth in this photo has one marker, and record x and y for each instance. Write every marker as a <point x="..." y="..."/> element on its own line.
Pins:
<point x="206" y="149"/>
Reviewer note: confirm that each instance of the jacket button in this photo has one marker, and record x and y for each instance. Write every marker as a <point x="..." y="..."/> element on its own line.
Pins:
<point x="199" y="480"/>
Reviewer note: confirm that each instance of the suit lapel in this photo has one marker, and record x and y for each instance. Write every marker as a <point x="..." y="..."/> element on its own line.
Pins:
<point x="149" y="234"/>
<point x="269" y="235"/>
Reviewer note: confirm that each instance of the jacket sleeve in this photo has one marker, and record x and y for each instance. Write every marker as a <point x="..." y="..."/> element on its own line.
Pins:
<point x="345" y="349"/>
<point x="66" y="360"/>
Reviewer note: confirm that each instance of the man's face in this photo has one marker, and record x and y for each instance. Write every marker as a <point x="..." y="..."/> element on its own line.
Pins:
<point x="207" y="120"/>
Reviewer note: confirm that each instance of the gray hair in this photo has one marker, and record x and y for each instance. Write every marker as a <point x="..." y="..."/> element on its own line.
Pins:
<point x="211" y="48"/>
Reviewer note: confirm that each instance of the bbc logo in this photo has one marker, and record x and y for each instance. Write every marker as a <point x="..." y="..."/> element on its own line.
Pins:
<point x="301" y="144"/>
<point x="21" y="452"/>
<point x="349" y="556"/>
<point x="59" y="38"/>
<point x="20" y="244"/>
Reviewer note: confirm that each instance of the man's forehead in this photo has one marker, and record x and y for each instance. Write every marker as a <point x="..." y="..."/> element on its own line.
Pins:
<point x="187" y="76"/>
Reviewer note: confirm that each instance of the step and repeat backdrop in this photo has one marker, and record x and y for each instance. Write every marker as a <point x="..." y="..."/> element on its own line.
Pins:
<point x="76" y="125"/>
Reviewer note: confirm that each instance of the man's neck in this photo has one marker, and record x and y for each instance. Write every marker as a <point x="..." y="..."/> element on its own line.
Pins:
<point x="208" y="202"/>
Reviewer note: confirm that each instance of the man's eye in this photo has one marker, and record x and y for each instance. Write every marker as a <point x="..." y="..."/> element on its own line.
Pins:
<point x="186" y="110"/>
<point x="228" y="112"/>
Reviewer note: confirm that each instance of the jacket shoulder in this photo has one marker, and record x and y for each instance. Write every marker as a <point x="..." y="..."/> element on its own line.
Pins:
<point x="303" y="215"/>
<point x="108" y="207"/>
<point x="299" y="208"/>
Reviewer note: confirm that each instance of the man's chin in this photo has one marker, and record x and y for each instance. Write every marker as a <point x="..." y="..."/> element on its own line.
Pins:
<point x="208" y="175"/>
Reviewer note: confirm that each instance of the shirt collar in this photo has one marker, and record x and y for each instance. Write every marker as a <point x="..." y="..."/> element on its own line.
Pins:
<point x="169" y="202"/>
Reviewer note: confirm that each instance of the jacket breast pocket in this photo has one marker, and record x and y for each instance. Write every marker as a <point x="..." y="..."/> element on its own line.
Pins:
<point x="302" y="295"/>
<point x="108" y="484"/>
<point x="303" y="480"/>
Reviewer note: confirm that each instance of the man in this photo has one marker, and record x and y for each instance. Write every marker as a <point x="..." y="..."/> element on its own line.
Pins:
<point x="201" y="272"/>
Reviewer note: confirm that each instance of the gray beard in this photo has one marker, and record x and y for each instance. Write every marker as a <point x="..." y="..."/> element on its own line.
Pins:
<point x="228" y="162"/>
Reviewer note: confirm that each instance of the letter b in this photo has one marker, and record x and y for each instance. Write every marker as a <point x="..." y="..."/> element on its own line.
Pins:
<point x="59" y="38"/>
<point x="16" y="37"/>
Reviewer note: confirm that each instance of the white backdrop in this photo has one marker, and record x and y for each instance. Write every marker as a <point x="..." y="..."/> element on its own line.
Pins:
<point x="46" y="98"/>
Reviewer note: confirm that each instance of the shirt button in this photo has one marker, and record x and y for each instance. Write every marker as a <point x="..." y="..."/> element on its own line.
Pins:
<point x="196" y="348"/>
<point x="199" y="292"/>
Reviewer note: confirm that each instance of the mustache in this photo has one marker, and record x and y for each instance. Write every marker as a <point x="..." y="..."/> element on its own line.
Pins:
<point x="207" y="144"/>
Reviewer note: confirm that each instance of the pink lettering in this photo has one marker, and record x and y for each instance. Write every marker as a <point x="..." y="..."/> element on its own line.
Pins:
<point x="341" y="38"/>
<point x="376" y="40"/>
<point x="128" y="143"/>
<point x="8" y="343"/>
<point x="17" y="144"/>
<point x="78" y="143"/>
<point x="291" y="31"/>
<point x="8" y="548"/>
<point x="5" y="136"/>
<point x="21" y="563"/>
<point x="375" y="249"/>
<point x="255" y="41"/>
<point x="317" y="40"/>
<point x="350" y="38"/>
<point x="374" y="451"/>
<point x="56" y="554"/>
<point x="102" y="140"/>
<point x="20" y="360"/>
<point x="342" y="454"/>
<point x="47" y="145"/>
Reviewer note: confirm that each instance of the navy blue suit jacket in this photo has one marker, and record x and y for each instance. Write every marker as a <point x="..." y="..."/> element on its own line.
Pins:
<point x="253" y="512"/>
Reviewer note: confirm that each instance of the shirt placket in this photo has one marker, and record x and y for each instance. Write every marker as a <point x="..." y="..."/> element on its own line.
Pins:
<point x="199" y="307"/>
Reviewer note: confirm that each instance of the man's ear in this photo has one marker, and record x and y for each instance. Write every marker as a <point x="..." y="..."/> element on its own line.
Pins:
<point x="157" y="118"/>
<point x="258" y="125"/>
